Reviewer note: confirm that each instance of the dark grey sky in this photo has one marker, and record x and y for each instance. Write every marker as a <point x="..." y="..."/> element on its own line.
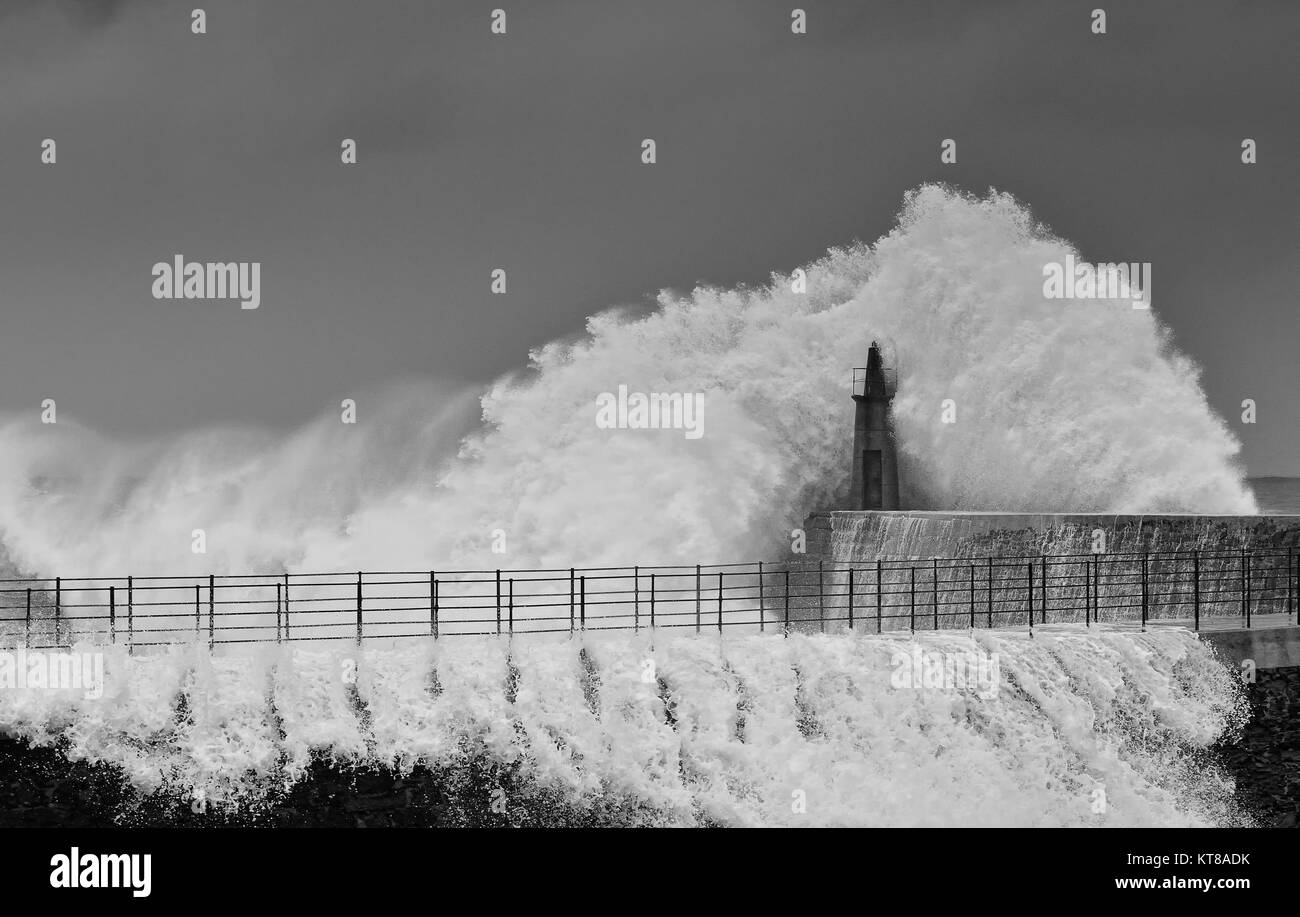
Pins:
<point x="522" y="151"/>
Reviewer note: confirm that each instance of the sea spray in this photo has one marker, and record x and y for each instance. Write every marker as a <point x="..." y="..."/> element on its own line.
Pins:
<point x="1059" y="406"/>
<point x="1103" y="727"/>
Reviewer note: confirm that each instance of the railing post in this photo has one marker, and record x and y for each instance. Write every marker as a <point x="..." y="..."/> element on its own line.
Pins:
<point x="1096" y="588"/>
<point x="636" y="600"/>
<point x="112" y="614"/>
<point x="1029" y="568"/>
<point x="286" y="608"/>
<point x="912" y="592"/>
<point x="58" y="612"/>
<point x="212" y="612"/>
<point x="652" y="601"/>
<point x="850" y="597"/>
<point x="1196" y="590"/>
<point x="582" y="606"/>
<point x="360" y="633"/>
<point x="935" y="587"/>
<point x="762" y="612"/>
<point x="433" y="603"/>
<point x="821" y="597"/>
<point x="1242" y="587"/>
<point x="277" y="613"/>
<point x="787" y="602"/>
<point x="572" y="583"/>
<point x="1247" y="589"/>
<point x="1087" y="590"/>
<point x="1045" y="582"/>
<point x="28" y="629"/>
<point x="990" y="590"/>
<point x="198" y="610"/>
<point x="498" y="603"/>
<point x="698" y="597"/>
<point x="512" y="606"/>
<point x="880" y="592"/>
<point x="1145" y="592"/>
<point x="972" y="596"/>
<point x="720" y="601"/>
<point x="130" y="614"/>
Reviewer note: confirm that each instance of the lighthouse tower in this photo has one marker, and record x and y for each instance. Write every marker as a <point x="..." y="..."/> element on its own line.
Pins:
<point x="875" y="460"/>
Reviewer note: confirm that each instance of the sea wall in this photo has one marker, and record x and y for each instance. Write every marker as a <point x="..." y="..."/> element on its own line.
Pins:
<point x="1105" y="569"/>
<point x="908" y="534"/>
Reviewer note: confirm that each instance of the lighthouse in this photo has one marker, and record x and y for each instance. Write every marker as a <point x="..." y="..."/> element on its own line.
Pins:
<point x="875" y="459"/>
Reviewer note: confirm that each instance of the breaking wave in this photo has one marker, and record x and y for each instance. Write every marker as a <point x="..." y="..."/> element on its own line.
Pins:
<point x="1099" y="728"/>
<point x="1061" y="406"/>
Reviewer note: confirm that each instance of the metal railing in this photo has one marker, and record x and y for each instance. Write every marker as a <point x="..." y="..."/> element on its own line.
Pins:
<point x="883" y="595"/>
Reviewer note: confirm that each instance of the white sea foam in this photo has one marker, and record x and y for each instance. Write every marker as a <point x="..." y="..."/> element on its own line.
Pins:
<point x="1061" y="406"/>
<point x="1086" y="728"/>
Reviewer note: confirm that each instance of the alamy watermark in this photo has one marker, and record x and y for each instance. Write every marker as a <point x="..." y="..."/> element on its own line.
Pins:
<point x="183" y="279"/>
<point x="655" y="411"/>
<point x="966" y="672"/>
<point x="1082" y="280"/>
<point x="26" y="669"/>
<point x="103" y="870"/>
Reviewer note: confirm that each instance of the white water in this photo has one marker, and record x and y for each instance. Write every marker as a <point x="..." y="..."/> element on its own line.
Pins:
<point x="1076" y="712"/>
<point x="1071" y="406"/>
<point x="1061" y="406"/>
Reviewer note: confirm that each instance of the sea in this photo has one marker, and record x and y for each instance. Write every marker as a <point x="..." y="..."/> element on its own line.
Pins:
<point x="1277" y="496"/>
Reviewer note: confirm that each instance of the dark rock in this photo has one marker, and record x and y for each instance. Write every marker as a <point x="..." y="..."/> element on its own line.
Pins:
<point x="1265" y="758"/>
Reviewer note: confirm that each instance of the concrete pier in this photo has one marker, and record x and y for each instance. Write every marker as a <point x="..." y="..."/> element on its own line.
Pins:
<point x="865" y="535"/>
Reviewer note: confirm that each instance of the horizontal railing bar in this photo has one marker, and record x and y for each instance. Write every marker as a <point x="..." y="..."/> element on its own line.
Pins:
<point x="946" y="593"/>
<point x="348" y="578"/>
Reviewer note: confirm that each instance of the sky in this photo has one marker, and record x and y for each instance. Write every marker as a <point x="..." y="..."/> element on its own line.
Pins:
<point x="522" y="151"/>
